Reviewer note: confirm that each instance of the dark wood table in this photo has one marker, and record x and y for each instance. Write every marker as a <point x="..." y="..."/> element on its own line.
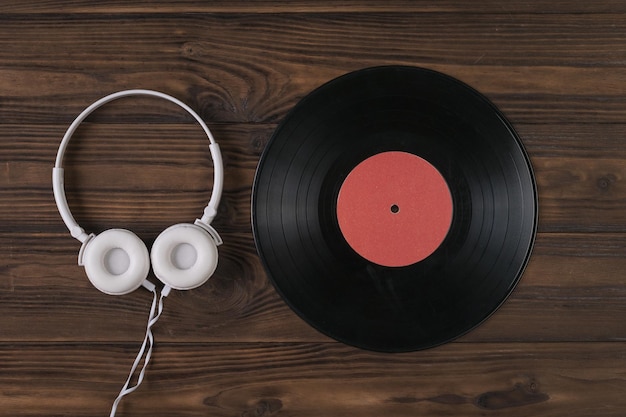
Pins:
<point x="233" y="347"/>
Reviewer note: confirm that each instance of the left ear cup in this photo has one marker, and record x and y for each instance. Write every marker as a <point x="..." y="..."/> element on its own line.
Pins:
<point x="116" y="261"/>
<point x="184" y="256"/>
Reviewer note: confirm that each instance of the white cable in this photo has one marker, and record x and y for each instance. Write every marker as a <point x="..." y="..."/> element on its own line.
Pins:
<point x="148" y="342"/>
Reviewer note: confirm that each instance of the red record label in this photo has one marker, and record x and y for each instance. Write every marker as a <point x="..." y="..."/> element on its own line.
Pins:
<point x="394" y="209"/>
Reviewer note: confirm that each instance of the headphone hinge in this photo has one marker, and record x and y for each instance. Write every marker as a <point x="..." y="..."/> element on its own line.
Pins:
<point x="81" y="252"/>
<point x="210" y="230"/>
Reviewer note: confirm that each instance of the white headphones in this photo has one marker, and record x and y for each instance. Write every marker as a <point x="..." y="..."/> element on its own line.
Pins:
<point x="183" y="256"/>
<point x="116" y="261"/>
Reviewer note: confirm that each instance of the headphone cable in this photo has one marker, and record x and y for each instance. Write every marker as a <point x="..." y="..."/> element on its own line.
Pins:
<point x="148" y="342"/>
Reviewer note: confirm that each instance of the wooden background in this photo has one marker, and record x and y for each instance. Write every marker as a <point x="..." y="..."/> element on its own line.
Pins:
<point x="557" y="69"/>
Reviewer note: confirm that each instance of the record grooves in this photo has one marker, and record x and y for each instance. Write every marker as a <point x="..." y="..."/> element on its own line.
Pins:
<point x="319" y="267"/>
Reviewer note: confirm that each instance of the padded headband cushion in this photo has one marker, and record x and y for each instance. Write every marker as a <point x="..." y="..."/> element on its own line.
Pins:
<point x="167" y="262"/>
<point x="116" y="261"/>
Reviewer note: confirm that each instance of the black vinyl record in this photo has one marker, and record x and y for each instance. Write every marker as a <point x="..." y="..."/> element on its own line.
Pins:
<point x="395" y="112"/>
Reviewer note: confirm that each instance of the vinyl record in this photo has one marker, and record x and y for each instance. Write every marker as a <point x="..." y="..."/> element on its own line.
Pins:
<point x="394" y="208"/>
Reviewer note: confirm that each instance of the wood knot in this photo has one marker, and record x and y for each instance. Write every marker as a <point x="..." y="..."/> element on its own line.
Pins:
<point x="264" y="407"/>
<point x="605" y="182"/>
<point x="258" y="143"/>
<point x="190" y="49"/>
<point x="521" y="394"/>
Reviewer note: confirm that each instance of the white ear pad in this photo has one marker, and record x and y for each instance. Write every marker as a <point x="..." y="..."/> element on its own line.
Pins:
<point x="184" y="256"/>
<point x="116" y="261"/>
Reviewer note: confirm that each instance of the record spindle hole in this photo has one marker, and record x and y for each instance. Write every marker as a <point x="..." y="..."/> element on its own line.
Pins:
<point x="394" y="208"/>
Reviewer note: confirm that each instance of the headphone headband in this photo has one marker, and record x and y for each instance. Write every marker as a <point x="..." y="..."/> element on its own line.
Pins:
<point x="58" y="172"/>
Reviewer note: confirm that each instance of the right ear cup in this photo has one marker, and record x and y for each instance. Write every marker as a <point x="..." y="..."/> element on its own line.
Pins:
<point x="184" y="256"/>
<point x="116" y="261"/>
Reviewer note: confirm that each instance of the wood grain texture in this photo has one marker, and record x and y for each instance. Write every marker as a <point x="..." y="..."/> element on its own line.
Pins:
<point x="302" y="6"/>
<point x="243" y="68"/>
<point x="556" y="69"/>
<point x="327" y="379"/>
